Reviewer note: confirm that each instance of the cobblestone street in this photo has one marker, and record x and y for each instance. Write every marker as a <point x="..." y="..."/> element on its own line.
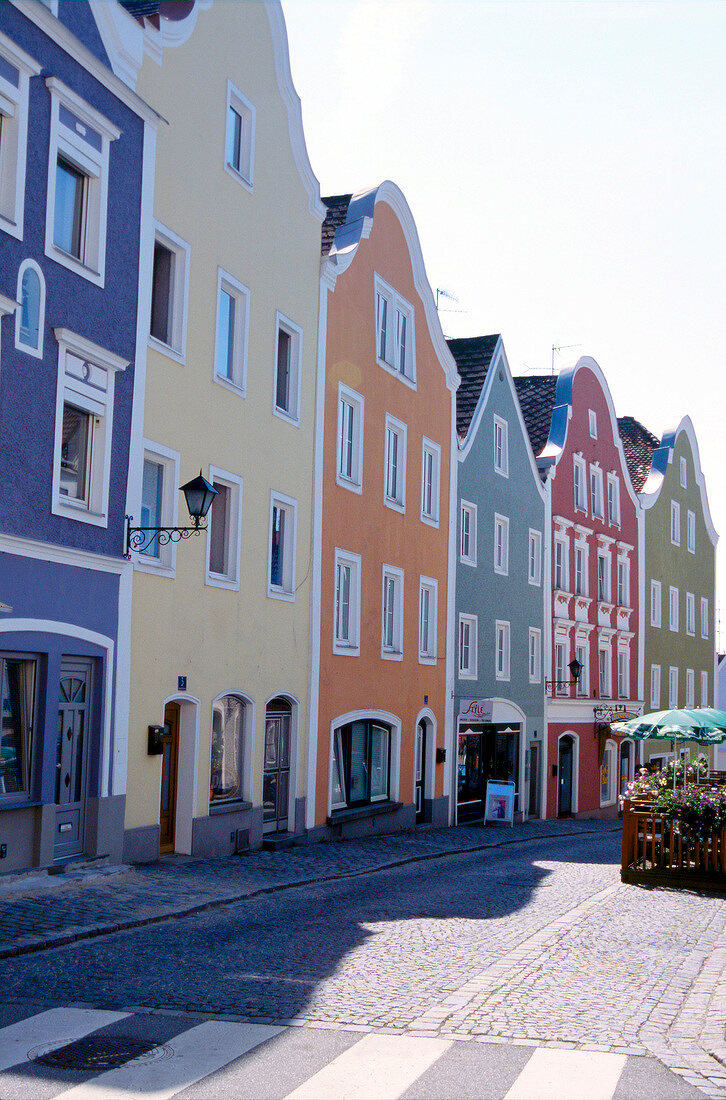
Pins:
<point x="532" y="941"/>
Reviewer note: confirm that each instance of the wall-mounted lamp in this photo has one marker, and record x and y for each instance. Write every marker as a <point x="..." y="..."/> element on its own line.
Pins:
<point x="576" y="671"/>
<point x="199" y="494"/>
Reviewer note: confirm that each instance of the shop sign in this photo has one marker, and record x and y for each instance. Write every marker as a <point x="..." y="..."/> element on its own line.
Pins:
<point x="616" y="714"/>
<point x="476" y="710"/>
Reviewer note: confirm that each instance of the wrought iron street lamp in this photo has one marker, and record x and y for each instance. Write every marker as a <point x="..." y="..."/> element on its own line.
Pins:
<point x="199" y="494"/>
<point x="575" y="671"/>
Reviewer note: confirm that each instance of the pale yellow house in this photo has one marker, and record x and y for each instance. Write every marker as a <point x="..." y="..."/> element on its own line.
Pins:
<point x="221" y="623"/>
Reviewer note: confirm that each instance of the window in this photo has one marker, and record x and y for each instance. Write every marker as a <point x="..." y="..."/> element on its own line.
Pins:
<point x="170" y="292"/>
<point x="672" y="687"/>
<point x="83" y="428"/>
<point x="613" y="500"/>
<point x="604" y="671"/>
<point x="467" y="647"/>
<point x="80" y="138"/>
<point x="288" y="352"/>
<point x="230" y="345"/>
<point x="607" y="774"/>
<point x="350" y="439"/>
<point x="562" y="673"/>
<point x="502" y="648"/>
<point x="283" y="535"/>
<point x="159" y="498"/>
<point x="16" y="68"/>
<point x="501" y="545"/>
<point x="430" y="476"/>
<point x="675" y="523"/>
<point x="603" y="578"/>
<point x="361" y="764"/>
<point x="673" y="608"/>
<point x="623" y="674"/>
<point x="346" y="626"/>
<point x="592" y="419"/>
<point x="655" y="687"/>
<point x="394" y="489"/>
<point x="690" y="688"/>
<point x="427" y="614"/>
<point x="691" y="532"/>
<point x="535" y="557"/>
<point x="30" y="318"/>
<point x="228" y="724"/>
<point x="535" y="655"/>
<point x="17" y="685"/>
<point x="501" y="446"/>
<point x="655" y="603"/>
<point x="623" y="583"/>
<point x="704" y="617"/>
<point x="467" y="536"/>
<point x="239" y="154"/>
<point x="596" y="501"/>
<point x="561" y="570"/>
<point x="392" y="613"/>
<point x="580" y="570"/>
<point x="690" y="614"/>
<point x="224" y="530"/>
<point x="580" y="490"/>
<point x="583" y="656"/>
<point x="704" y="689"/>
<point x="395" y="347"/>
<point x="684" y="474"/>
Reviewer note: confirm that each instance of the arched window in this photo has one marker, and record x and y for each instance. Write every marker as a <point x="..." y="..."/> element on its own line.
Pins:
<point x="225" y="782"/>
<point x="30" y="318"/>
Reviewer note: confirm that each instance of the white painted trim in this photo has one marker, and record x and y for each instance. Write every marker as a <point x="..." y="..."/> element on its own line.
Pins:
<point x="426" y="715"/>
<point x="248" y="745"/>
<point x="290" y="504"/>
<point x="28" y="349"/>
<point x="12" y="220"/>
<point x="241" y="295"/>
<point x="165" y="564"/>
<point x="239" y="102"/>
<point x="296" y="334"/>
<point x="229" y="580"/>
<point x="575" y="799"/>
<point x="188" y="753"/>
<point x="369" y="715"/>
<point x="62" y="555"/>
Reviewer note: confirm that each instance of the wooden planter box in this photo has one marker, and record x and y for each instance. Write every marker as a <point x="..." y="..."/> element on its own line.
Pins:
<point x="655" y="854"/>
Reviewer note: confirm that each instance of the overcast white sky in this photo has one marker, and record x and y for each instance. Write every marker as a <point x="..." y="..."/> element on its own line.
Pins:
<point x="566" y="167"/>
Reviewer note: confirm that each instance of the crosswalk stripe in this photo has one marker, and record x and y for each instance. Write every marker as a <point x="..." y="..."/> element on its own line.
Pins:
<point x="194" y="1054"/>
<point x="378" y="1067"/>
<point x="552" y="1074"/>
<point x="51" y="1029"/>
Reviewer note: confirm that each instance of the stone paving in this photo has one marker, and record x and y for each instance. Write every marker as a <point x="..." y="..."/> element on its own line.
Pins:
<point x="518" y="938"/>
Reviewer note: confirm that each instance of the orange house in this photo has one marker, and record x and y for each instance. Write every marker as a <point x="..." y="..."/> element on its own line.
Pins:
<point x="384" y="546"/>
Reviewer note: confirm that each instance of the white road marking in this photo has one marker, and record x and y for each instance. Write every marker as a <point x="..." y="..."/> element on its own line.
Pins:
<point x="52" y="1029"/>
<point x="378" y="1067"/>
<point x="553" y="1074"/>
<point x="194" y="1054"/>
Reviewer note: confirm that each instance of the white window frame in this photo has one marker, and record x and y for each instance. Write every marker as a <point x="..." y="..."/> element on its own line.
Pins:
<point x="604" y="591"/>
<point x="673" y="610"/>
<point x="349" y="647"/>
<point x="672" y="687"/>
<point x="356" y="402"/>
<point x="579" y="474"/>
<point x="244" y="172"/>
<point x="613" y="500"/>
<point x="691" y="531"/>
<point x="88" y="386"/>
<point x="684" y="473"/>
<point x="690" y="689"/>
<point x="178" y="302"/>
<point x="470" y="510"/>
<point x="470" y="623"/>
<point x="169" y="460"/>
<point x="610" y="755"/>
<point x="623" y="674"/>
<point x="655" y="689"/>
<point x="36" y="350"/>
<point x="597" y="506"/>
<point x="623" y="593"/>
<point x="427" y="646"/>
<point x="535" y="655"/>
<point x="605" y="672"/>
<point x="240" y="295"/>
<point x="534" y="560"/>
<point x="387" y="343"/>
<point x="582" y="653"/>
<point x="581" y="552"/>
<point x="398" y="428"/>
<point x="501" y="545"/>
<point x="501" y="446"/>
<point x="72" y="147"/>
<point x="286" y="590"/>
<point x="704" y="689"/>
<point x="690" y="614"/>
<point x="562" y="650"/>
<point x="430" y="452"/>
<point x="502" y="649"/>
<point x="675" y="523"/>
<point x="704" y="617"/>
<point x="656" y="604"/>
<point x="14" y="147"/>
<point x="233" y="531"/>
<point x="592" y="421"/>
<point x="561" y="568"/>
<point x="295" y="334"/>
<point x="392" y="585"/>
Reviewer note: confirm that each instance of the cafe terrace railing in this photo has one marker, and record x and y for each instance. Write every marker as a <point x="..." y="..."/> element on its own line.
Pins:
<point x="658" y="851"/>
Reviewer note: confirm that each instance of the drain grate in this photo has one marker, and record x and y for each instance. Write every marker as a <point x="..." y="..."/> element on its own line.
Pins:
<point x="96" y="1053"/>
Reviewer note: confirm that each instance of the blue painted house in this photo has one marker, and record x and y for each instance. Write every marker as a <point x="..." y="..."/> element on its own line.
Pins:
<point x="500" y="594"/>
<point x="76" y="170"/>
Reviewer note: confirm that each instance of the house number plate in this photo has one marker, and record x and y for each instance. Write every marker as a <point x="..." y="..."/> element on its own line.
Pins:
<point x="65" y="827"/>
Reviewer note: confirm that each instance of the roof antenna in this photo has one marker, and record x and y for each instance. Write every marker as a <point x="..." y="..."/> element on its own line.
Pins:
<point x="440" y="292"/>
<point x="561" y="347"/>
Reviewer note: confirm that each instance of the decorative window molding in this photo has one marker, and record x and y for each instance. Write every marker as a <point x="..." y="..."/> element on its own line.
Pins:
<point x="468" y="533"/>
<point x="690" y="688"/>
<point x="704" y="617"/>
<point x="394" y="465"/>
<point x="672" y="687"/>
<point x="623" y="582"/>
<point x="83" y="428"/>
<point x="78" y="171"/>
<point x="468" y="632"/>
<point x="579" y="476"/>
<point x="604" y="593"/>
<point x="501" y="446"/>
<point x="655" y="603"/>
<point x="673" y="609"/>
<point x="430" y="482"/>
<point x="231" y="335"/>
<point x="395" y="336"/>
<point x="592" y="421"/>
<point x="427" y="620"/>
<point x="224" y="531"/>
<point x="690" y="614"/>
<point x="605" y="671"/>
<point x="169" y="294"/>
<point x="691" y="532"/>
<point x="30" y="318"/>
<point x="239" y="145"/>
<point x="159" y="501"/>
<point x="582" y="586"/>
<point x="502" y="646"/>
<point x="346" y="607"/>
<point x="501" y="545"/>
<point x="535" y="655"/>
<point x="16" y="69"/>
<point x="534" y="567"/>
<point x="561" y="565"/>
<point x="655" y="687"/>
<point x="596" y="493"/>
<point x="623" y="674"/>
<point x="675" y="523"/>
<point x="283" y="540"/>
<point x="392" y="614"/>
<point x="613" y="500"/>
<point x="349" y="443"/>
<point x="288" y="362"/>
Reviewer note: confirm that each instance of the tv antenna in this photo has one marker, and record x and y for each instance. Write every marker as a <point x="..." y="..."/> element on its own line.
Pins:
<point x="561" y="347"/>
<point x="441" y="293"/>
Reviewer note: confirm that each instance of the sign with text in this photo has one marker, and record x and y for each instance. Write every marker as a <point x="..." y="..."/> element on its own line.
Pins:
<point x="500" y="801"/>
<point x="476" y="710"/>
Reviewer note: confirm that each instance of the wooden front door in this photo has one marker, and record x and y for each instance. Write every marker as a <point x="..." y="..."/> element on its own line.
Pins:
<point x="276" y="774"/>
<point x="167" y="808"/>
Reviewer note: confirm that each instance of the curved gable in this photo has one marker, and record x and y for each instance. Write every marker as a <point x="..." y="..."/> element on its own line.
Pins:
<point x="663" y="458"/>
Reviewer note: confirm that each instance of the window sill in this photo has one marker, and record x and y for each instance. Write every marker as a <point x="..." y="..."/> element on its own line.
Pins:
<point x="228" y="384"/>
<point x="359" y="813"/>
<point x="346" y="650"/>
<point x="288" y="417"/>
<point x="407" y="380"/>
<point x="68" y="260"/>
<point x="167" y="349"/>
<point x="79" y="512"/>
<point x="430" y="521"/>
<point x="241" y="180"/>
<point x="349" y="484"/>
<point x="228" y="807"/>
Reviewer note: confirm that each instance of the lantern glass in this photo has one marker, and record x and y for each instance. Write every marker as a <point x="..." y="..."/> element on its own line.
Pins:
<point x="575" y="669"/>
<point x="199" y="494"/>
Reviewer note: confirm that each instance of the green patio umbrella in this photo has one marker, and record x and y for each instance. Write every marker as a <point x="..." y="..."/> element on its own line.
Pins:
<point x="705" y="725"/>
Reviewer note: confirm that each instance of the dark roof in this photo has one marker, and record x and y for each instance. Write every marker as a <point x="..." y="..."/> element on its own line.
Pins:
<point x="473" y="355"/>
<point x="155" y="10"/>
<point x="141" y="9"/>
<point x="536" y="395"/>
<point x="337" y="213"/>
<point x="638" y="445"/>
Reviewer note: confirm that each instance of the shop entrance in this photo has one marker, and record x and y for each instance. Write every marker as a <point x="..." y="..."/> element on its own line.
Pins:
<point x="484" y="752"/>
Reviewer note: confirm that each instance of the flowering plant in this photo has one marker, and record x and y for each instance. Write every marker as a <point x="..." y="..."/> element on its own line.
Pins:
<point x="701" y="809"/>
<point x="648" y="784"/>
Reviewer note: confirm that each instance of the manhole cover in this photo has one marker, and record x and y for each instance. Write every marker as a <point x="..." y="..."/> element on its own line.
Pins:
<point x="98" y="1053"/>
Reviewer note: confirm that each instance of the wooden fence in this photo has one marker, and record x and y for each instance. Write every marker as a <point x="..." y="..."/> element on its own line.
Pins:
<point x="660" y="852"/>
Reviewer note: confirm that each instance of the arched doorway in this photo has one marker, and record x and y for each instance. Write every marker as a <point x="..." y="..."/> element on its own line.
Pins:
<point x="422" y="737"/>
<point x="169" y="759"/>
<point x="276" y="771"/>
<point x="565" y="770"/>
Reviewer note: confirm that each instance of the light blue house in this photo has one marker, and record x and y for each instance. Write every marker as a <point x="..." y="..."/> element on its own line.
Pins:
<point x="500" y="594"/>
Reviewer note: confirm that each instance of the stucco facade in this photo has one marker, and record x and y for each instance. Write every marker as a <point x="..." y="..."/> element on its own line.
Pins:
<point x="221" y="624"/>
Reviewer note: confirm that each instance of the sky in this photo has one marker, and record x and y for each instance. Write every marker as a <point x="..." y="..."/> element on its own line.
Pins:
<point x="565" y="164"/>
